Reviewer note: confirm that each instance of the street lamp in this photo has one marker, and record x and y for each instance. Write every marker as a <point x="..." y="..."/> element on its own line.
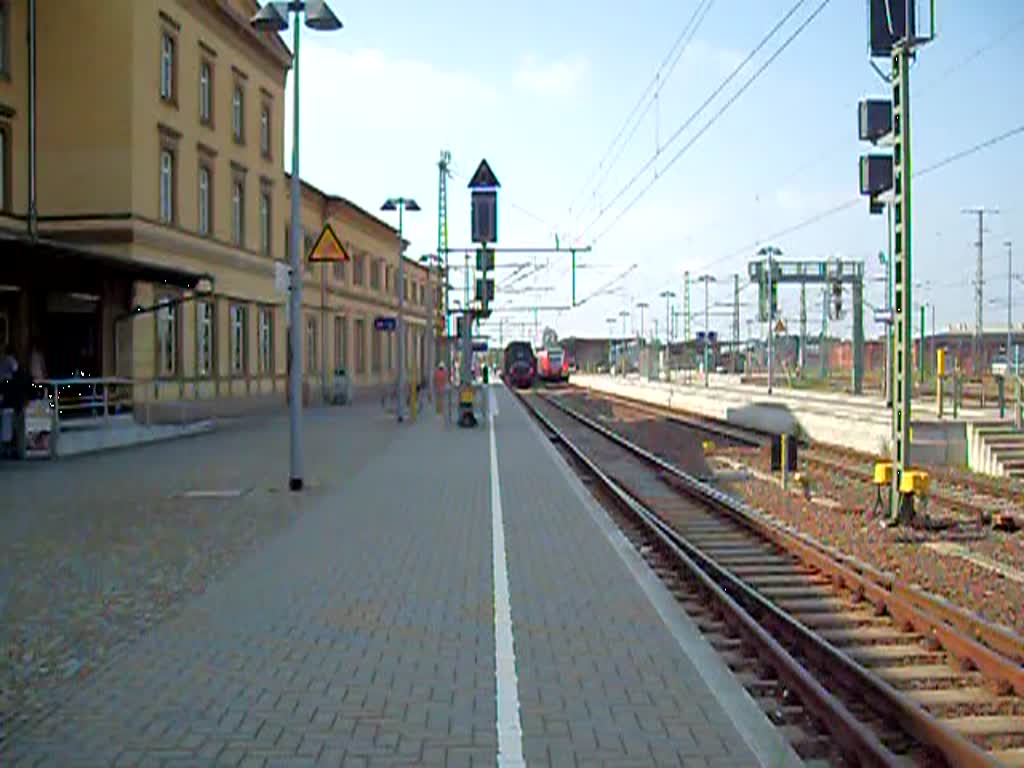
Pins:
<point x="642" y="305"/>
<point x="274" y="17"/>
<point x="668" y="296"/>
<point x="400" y="204"/>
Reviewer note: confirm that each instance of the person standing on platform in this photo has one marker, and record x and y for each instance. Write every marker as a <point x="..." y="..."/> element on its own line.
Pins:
<point x="440" y="385"/>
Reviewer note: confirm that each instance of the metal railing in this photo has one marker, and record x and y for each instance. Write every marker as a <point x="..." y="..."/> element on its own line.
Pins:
<point x="77" y="402"/>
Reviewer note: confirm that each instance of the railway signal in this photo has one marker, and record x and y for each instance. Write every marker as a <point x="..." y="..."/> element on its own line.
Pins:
<point x="892" y="33"/>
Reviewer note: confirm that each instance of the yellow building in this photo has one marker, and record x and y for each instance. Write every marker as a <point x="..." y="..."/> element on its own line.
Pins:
<point x="162" y="208"/>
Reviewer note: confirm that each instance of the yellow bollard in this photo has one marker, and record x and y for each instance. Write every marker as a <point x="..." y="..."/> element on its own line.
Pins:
<point x="940" y="372"/>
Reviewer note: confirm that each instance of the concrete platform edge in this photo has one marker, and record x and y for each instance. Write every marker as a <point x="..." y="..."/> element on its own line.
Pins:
<point x="760" y="735"/>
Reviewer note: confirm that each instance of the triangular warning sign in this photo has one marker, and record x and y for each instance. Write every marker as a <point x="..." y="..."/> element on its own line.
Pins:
<point x="328" y="247"/>
<point x="483" y="177"/>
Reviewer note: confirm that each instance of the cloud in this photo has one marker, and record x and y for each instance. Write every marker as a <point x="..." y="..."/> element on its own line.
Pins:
<point x="718" y="59"/>
<point x="556" y="77"/>
<point x="373" y="124"/>
<point x="369" y="86"/>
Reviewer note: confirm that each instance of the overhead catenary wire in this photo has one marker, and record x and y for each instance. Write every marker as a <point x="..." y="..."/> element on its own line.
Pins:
<point x="675" y="135"/>
<point x="823" y="154"/>
<point x="852" y="202"/>
<point x="655" y="84"/>
<point x="659" y="147"/>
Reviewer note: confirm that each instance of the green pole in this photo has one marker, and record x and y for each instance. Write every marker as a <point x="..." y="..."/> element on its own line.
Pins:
<point x="902" y="271"/>
<point x="574" y="278"/>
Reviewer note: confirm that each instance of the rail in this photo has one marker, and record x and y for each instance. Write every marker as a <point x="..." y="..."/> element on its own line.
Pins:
<point x="908" y="612"/>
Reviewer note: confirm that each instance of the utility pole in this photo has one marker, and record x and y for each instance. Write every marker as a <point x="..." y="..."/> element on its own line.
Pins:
<point x="920" y="351"/>
<point x="687" y="311"/>
<point x="823" y="344"/>
<point x="979" y="288"/>
<point x="771" y="251"/>
<point x="442" y="253"/>
<point x="1009" y="299"/>
<point x="707" y="280"/>
<point x="735" y="320"/>
<point x="803" y="326"/>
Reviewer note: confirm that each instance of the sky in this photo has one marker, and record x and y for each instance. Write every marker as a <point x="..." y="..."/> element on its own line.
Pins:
<point x="541" y="90"/>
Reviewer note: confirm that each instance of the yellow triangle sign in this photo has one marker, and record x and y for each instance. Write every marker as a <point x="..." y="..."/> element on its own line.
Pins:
<point x="328" y="247"/>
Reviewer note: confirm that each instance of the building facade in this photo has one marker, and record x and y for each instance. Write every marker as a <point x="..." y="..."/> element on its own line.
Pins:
<point x="162" y="212"/>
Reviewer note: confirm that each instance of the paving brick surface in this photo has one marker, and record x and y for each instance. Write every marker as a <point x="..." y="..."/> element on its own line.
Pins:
<point x="361" y="635"/>
<point x="601" y="679"/>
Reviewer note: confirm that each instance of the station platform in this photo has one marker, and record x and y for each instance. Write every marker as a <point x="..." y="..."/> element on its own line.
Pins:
<point x="859" y="422"/>
<point x="458" y="599"/>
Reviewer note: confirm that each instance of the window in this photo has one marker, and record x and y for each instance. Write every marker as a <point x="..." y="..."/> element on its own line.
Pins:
<point x="167" y="337"/>
<point x="5" y="155"/>
<point x="360" y="342"/>
<point x="391" y="352"/>
<point x="204" y="199"/>
<point x="205" y="92"/>
<point x="265" y="130"/>
<point x="311" y="356"/>
<point x="238" y="339"/>
<point x="340" y="342"/>
<point x="388" y="277"/>
<point x="375" y="352"/>
<point x="375" y="275"/>
<point x="265" y="223"/>
<point x="238" y="212"/>
<point x="338" y="269"/>
<point x="238" y="114"/>
<point x="358" y="267"/>
<point x="5" y="35"/>
<point x="166" y="185"/>
<point x="166" y="67"/>
<point x="266" y="350"/>
<point x="204" y="337"/>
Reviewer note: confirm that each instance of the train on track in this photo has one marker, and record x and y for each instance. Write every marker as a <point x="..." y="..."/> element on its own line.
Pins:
<point x="553" y="365"/>
<point x="520" y="365"/>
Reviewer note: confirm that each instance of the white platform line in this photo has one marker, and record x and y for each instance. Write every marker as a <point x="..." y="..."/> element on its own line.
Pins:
<point x="510" y="730"/>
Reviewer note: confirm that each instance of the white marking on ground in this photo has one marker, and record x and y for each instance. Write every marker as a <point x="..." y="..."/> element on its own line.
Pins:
<point x="510" y="730"/>
<point x="225" y="494"/>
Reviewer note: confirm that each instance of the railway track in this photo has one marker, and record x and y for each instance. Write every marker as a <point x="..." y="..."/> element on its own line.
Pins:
<point x="856" y="671"/>
<point x="958" y="495"/>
